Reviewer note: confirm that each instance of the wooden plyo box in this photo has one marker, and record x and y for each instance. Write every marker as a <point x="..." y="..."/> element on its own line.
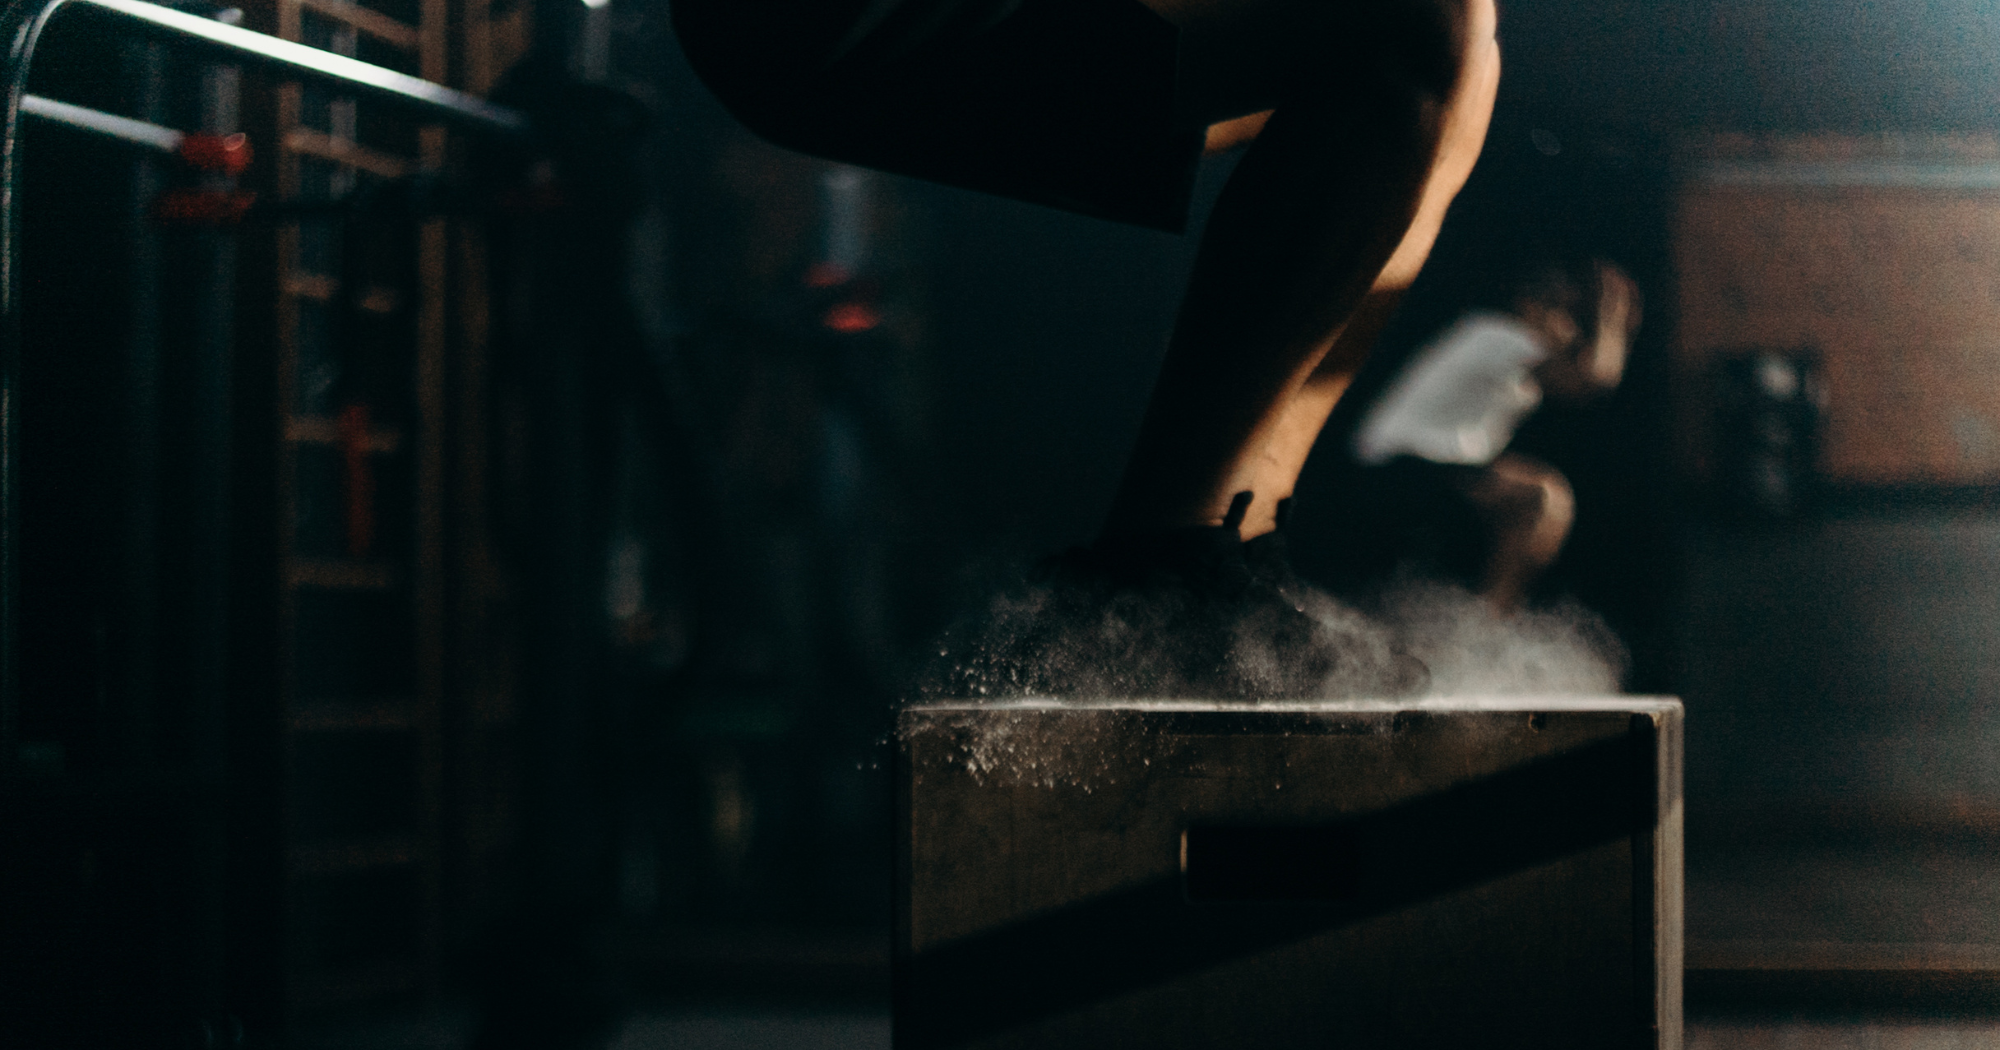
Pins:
<point x="1169" y="874"/>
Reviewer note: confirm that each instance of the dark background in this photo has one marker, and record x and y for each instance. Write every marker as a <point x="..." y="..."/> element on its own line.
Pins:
<point x="715" y="536"/>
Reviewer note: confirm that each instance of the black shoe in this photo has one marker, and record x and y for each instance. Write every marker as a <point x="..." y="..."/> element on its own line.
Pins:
<point x="1312" y="646"/>
<point x="1190" y="612"/>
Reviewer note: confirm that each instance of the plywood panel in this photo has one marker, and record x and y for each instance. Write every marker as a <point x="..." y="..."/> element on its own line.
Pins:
<point x="1896" y="286"/>
<point x="1177" y="875"/>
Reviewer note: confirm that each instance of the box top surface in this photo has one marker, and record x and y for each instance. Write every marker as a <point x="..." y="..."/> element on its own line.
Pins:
<point x="1633" y="704"/>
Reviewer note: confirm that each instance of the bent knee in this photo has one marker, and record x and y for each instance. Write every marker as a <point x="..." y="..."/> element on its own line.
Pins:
<point x="1527" y="497"/>
<point x="1557" y="499"/>
<point x="1431" y="45"/>
<point x="1557" y="507"/>
<point x="1545" y="493"/>
<point x="1427" y="47"/>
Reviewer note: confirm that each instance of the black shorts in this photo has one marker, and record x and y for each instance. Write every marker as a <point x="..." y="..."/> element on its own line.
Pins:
<point x="1407" y="511"/>
<point x="1068" y="103"/>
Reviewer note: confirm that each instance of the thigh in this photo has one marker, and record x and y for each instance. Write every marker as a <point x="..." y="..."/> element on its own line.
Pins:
<point x="1247" y="56"/>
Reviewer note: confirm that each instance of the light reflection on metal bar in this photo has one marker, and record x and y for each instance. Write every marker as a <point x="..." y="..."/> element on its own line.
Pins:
<point x="21" y="25"/>
<point x="441" y="102"/>
<point x="125" y="129"/>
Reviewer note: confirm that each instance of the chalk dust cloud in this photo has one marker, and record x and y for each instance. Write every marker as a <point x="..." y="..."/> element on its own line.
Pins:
<point x="1420" y="638"/>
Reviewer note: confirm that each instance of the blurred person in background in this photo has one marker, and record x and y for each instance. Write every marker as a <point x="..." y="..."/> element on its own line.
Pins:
<point x="1438" y="482"/>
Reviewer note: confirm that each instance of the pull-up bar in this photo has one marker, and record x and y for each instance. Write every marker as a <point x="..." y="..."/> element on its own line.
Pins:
<point x="21" y="28"/>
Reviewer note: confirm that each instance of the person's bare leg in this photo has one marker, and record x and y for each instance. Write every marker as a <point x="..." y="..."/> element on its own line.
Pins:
<point x="1275" y="470"/>
<point x="1326" y="219"/>
<point x="1531" y="508"/>
<point x="1235" y="132"/>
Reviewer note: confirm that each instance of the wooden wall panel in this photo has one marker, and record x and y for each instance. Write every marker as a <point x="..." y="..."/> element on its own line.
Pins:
<point x="1896" y="286"/>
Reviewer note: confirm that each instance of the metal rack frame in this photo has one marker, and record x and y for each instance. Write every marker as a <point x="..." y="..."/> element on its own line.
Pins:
<point x="22" y="25"/>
